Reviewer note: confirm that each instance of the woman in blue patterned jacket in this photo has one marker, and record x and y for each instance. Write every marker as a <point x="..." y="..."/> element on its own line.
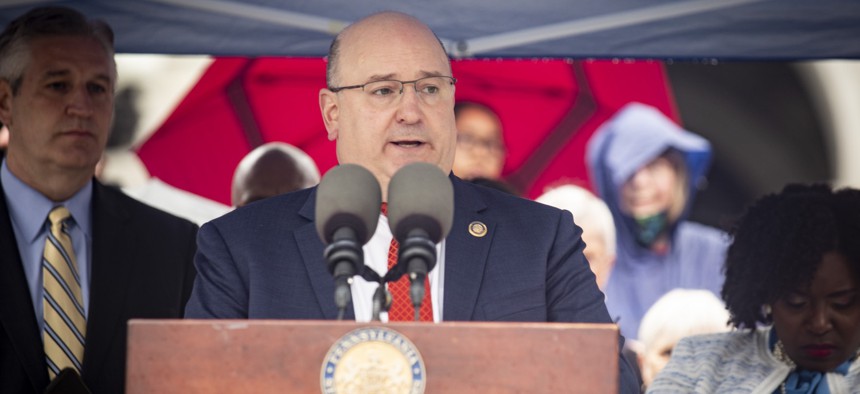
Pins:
<point x="791" y="287"/>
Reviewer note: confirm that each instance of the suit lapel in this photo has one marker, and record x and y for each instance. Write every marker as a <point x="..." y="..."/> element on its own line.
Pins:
<point x="112" y="262"/>
<point x="311" y="248"/>
<point x="465" y="254"/>
<point x="17" y="316"/>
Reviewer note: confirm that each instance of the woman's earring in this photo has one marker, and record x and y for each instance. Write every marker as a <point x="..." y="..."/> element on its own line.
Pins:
<point x="766" y="311"/>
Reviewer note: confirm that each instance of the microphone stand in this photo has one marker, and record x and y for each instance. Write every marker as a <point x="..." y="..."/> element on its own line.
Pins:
<point x="344" y="256"/>
<point x="381" y="302"/>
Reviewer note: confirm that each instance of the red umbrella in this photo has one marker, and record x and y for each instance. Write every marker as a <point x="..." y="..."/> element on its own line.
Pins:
<point x="548" y="109"/>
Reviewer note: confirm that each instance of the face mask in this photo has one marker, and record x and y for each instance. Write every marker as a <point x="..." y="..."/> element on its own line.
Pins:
<point x="649" y="228"/>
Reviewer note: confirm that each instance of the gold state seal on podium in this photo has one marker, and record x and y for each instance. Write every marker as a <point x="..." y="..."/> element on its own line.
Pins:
<point x="373" y="360"/>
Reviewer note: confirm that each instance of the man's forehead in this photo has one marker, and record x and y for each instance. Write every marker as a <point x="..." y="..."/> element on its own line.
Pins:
<point x="386" y="65"/>
<point x="62" y="43"/>
<point x="64" y="56"/>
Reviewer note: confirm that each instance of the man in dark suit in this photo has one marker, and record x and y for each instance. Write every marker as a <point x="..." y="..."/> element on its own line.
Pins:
<point x="389" y="102"/>
<point x="113" y="257"/>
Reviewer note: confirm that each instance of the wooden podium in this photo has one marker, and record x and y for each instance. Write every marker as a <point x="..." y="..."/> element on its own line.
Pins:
<point x="287" y="356"/>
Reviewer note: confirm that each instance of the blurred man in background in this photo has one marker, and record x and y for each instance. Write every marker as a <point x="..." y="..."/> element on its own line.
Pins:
<point x="271" y="169"/>
<point x="480" y="143"/>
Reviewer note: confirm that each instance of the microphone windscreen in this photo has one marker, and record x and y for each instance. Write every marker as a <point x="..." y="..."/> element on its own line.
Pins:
<point x="420" y="196"/>
<point x="348" y="196"/>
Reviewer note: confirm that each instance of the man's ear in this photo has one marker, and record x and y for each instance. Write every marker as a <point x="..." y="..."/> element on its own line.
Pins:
<point x="330" y="111"/>
<point x="5" y="102"/>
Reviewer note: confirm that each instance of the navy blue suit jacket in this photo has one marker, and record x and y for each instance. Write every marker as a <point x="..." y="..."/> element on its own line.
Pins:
<point x="141" y="268"/>
<point x="266" y="261"/>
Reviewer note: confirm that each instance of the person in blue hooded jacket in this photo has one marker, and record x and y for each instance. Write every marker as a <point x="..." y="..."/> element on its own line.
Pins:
<point x="646" y="168"/>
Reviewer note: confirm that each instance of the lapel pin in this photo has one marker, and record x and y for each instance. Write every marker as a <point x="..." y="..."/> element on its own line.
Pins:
<point x="477" y="229"/>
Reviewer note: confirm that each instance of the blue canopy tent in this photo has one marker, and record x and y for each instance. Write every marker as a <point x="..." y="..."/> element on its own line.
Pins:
<point x="662" y="29"/>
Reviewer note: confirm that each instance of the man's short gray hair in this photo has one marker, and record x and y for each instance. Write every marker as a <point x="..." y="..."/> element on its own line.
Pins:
<point x="45" y="22"/>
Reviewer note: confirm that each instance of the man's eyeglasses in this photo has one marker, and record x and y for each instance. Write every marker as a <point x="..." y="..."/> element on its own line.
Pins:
<point x="382" y="94"/>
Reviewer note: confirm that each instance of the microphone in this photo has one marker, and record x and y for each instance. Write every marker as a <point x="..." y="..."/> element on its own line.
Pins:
<point x="347" y="212"/>
<point x="420" y="214"/>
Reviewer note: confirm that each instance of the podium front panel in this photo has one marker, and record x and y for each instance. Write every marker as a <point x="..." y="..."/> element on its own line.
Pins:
<point x="279" y="356"/>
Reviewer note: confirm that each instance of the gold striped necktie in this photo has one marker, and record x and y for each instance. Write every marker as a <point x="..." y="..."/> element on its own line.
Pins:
<point x="65" y="322"/>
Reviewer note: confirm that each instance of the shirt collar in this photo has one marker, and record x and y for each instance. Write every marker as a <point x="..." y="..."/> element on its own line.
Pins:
<point x="28" y="208"/>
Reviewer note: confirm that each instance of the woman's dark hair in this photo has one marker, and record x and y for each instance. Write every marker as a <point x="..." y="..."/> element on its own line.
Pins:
<point x="779" y="243"/>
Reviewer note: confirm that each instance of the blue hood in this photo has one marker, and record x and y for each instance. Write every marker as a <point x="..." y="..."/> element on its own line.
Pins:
<point x="633" y="137"/>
